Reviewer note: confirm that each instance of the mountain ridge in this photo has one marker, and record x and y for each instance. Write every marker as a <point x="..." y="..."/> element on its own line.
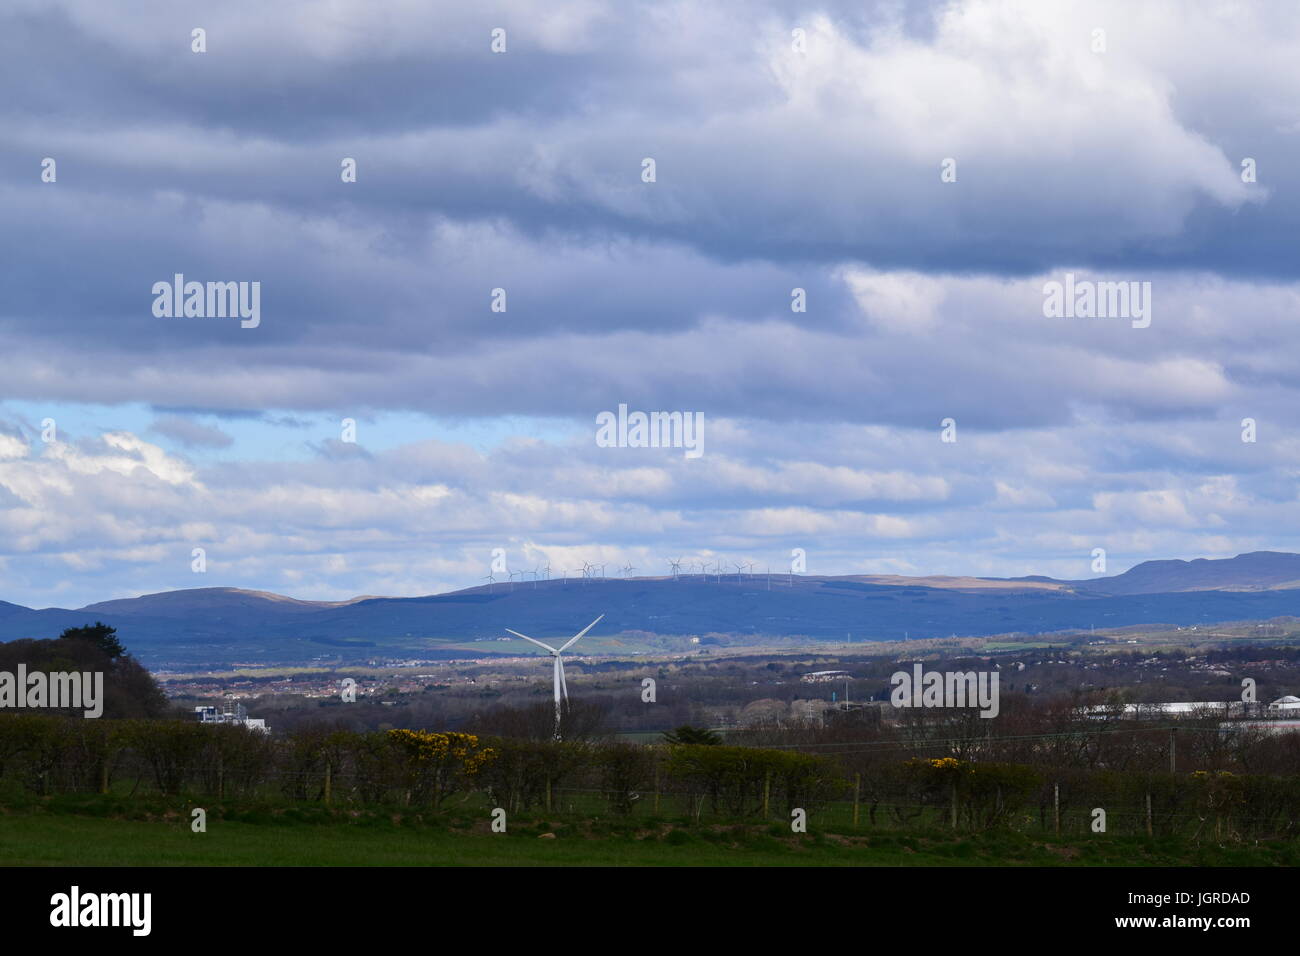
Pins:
<point x="214" y="625"/>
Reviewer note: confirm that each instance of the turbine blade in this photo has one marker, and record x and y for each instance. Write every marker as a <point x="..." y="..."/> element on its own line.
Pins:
<point x="574" y="640"/>
<point x="531" y="641"/>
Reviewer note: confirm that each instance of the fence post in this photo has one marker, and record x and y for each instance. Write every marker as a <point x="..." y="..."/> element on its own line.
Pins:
<point x="1056" y="806"/>
<point x="857" y="790"/>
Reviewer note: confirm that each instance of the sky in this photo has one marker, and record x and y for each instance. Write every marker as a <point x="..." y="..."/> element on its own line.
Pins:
<point x="921" y="171"/>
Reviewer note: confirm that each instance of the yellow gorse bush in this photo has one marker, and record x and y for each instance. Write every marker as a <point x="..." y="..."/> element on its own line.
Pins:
<point x="939" y="765"/>
<point x="443" y="748"/>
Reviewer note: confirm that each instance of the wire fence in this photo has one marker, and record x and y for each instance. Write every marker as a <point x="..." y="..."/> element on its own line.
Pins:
<point x="839" y="785"/>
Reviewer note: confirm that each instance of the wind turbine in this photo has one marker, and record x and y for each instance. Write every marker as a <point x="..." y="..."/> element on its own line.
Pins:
<point x="561" y="689"/>
<point x="490" y="580"/>
<point x="628" y="569"/>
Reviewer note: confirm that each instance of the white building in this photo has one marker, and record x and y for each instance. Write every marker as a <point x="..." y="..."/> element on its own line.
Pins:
<point x="824" y="677"/>
<point x="230" y="714"/>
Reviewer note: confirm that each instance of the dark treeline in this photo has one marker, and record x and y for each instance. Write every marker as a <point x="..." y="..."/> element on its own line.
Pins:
<point x="1040" y="765"/>
<point x="129" y="689"/>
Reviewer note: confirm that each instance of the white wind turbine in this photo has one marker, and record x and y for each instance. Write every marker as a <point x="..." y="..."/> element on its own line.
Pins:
<point x="561" y="689"/>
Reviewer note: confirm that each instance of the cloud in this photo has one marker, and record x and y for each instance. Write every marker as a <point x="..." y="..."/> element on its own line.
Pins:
<point x="191" y="433"/>
<point x="776" y="170"/>
<point x="116" y="515"/>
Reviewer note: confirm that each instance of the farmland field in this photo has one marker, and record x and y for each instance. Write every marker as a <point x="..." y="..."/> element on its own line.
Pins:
<point x="33" y="836"/>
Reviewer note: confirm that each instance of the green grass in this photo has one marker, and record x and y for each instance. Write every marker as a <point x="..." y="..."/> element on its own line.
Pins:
<point x="105" y="831"/>
<point x="82" y="841"/>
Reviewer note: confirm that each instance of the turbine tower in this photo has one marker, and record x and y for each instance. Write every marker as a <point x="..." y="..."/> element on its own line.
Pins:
<point x="561" y="689"/>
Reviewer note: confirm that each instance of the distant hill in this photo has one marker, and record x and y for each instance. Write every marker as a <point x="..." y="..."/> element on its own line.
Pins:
<point x="1256" y="571"/>
<point x="212" y="600"/>
<point x="223" y="626"/>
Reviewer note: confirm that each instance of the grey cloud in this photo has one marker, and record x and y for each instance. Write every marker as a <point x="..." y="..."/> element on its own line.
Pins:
<point x="522" y="171"/>
<point x="191" y="433"/>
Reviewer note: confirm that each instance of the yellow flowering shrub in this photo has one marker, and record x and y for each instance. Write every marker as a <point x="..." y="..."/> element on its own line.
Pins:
<point x="437" y="761"/>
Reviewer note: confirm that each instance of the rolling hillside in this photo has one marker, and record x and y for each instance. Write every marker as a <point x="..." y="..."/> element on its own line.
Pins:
<point x="219" y="626"/>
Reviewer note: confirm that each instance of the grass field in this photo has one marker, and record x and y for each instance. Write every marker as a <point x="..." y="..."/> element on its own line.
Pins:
<point x="86" y="832"/>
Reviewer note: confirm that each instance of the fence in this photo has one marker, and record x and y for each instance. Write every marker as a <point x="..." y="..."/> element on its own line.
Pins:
<point x="47" y="755"/>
